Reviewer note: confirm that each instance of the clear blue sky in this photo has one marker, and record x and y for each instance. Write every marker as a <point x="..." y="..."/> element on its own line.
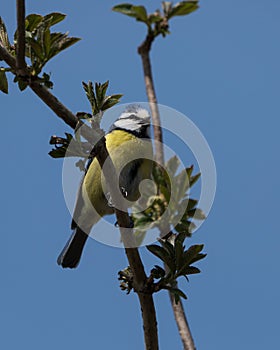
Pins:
<point x="220" y="67"/>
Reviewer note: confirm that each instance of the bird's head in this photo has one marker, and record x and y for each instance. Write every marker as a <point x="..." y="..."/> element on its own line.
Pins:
<point x="134" y="119"/>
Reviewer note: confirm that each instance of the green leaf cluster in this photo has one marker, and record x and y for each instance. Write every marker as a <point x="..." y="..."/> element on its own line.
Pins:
<point x="41" y="45"/>
<point x="73" y="146"/>
<point x="182" y="8"/>
<point x="170" y="203"/>
<point x="178" y="261"/>
<point x="4" y="40"/>
<point x="126" y="280"/>
<point x="61" y="147"/>
<point x="98" y="99"/>
<point x="3" y="80"/>
<point x="157" y="22"/>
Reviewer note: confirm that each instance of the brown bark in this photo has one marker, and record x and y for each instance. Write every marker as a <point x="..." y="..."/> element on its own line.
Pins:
<point x="144" y="52"/>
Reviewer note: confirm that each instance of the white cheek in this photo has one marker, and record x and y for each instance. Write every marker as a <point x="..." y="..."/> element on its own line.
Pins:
<point x="126" y="124"/>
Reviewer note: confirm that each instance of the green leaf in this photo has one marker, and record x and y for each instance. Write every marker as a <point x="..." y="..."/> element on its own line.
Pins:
<point x="141" y="13"/>
<point x="56" y="38"/>
<point x="165" y="191"/>
<point x="47" y="43"/>
<point x="37" y="48"/>
<point x="180" y="293"/>
<point x="197" y="214"/>
<point x="54" y="18"/>
<point x="98" y="100"/>
<point x="67" y="42"/>
<point x="90" y="95"/>
<point x="4" y="35"/>
<point x="110" y="101"/>
<point x="83" y="115"/>
<point x="179" y="249"/>
<point x="183" y="8"/>
<point x="176" y="292"/>
<point x="168" y="247"/>
<point x="22" y="85"/>
<point x="191" y="253"/>
<point x="189" y="270"/>
<point x="116" y="96"/>
<point x="46" y="81"/>
<point x="154" y="18"/>
<point x="104" y="88"/>
<point x="162" y="254"/>
<point x="194" y="179"/>
<point x="181" y="208"/>
<point x="158" y="251"/>
<point x="182" y="228"/>
<point x="60" y="43"/>
<point x="158" y="175"/>
<point x="138" y="12"/>
<point x="189" y="171"/>
<point x="158" y="272"/>
<point x="3" y="82"/>
<point x="125" y="9"/>
<point x="191" y="203"/>
<point x="179" y="239"/>
<point x="57" y="153"/>
<point x="32" y="21"/>
<point x="41" y="44"/>
<point x="166" y="7"/>
<point x="198" y="257"/>
<point x="76" y="149"/>
<point x="172" y="165"/>
<point x="98" y="93"/>
<point x="182" y="184"/>
<point x="142" y="222"/>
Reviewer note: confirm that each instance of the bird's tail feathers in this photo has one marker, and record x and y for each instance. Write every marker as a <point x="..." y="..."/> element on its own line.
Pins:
<point x="72" y="252"/>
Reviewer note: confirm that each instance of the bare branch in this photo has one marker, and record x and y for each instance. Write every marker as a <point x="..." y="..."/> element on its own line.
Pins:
<point x="149" y="321"/>
<point x="7" y="57"/>
<point x="45" y="95"/>
<point x="20" y="47"/>
<point x="182" y="324"/>
<point x="144" y="52"/>
<point x="58" y="108"/>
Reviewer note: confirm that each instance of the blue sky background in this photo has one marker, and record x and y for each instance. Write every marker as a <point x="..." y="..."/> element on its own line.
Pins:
<point x="220" y="67"/>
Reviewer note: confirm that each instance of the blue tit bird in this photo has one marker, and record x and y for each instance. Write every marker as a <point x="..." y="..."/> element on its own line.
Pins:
<point x="130" y="148"/>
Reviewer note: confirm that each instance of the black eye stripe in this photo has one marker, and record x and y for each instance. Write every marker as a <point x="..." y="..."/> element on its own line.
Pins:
<point x="135" y="118"/>
<point x="142" y="131"/>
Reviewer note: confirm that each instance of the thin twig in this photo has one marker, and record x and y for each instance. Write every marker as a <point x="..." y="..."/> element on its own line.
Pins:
<point x="41" y="91"/>
<point x="55" y="105"/>
<point x="144" y="52"/>
<point x="20" y="47"/>
<point x="182" y="323"/>
<point x="135" y="262"/>
<point x="7" y="57"/>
